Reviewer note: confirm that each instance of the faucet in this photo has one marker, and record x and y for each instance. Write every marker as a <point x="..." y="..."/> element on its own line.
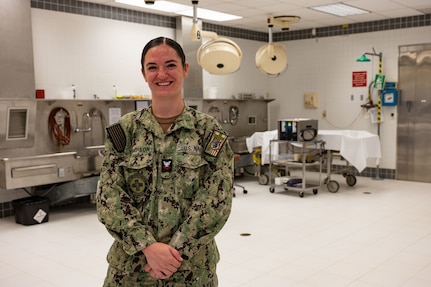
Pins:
<point x="86" y="122"/>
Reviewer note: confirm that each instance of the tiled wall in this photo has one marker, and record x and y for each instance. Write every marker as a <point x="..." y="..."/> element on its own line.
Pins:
<point x="6" y="209"/>
<point x="104" y="11"/>
<point x="365" y="27"/>
<point x="367" y="172"/>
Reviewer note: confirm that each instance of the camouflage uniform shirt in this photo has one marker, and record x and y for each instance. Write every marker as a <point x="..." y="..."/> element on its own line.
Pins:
<point x="174" y="187"/>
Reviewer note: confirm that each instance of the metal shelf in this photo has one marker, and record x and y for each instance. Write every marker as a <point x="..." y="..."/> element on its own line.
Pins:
<point x="303" y="150"/>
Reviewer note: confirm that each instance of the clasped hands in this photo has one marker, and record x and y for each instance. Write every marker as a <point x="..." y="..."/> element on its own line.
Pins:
<point x="162" y="260"/>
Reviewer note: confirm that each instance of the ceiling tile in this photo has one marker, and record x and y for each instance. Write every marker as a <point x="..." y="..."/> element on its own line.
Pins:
<point x="255" y="12"/>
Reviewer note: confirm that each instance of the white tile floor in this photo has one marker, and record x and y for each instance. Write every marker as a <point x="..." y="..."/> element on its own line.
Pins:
<point x="375" y="234"/>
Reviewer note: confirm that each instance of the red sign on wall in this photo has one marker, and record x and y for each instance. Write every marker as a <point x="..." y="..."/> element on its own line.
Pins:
<point x="359" y="79"/>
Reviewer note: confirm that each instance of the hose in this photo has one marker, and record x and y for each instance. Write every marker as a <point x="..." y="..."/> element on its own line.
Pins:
<point x="60" y="132"/>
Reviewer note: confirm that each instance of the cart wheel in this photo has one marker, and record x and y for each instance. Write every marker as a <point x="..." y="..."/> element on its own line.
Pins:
<point x="315" y="191"/>
<point x="301" y="194"/>
<point x="271" y="189"/>
<point x="333" y="186"/>
<point x="350" y="180"/>
<point x="263" y="179"/>
<point x="245" y="191"/>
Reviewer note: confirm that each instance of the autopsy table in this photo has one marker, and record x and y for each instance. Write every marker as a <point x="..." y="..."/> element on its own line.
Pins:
<point x="355" y="146"/>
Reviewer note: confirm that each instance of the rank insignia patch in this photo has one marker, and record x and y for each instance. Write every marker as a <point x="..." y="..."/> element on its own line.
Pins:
<point x="166" y="165"/>
<point x="216" y="143"/>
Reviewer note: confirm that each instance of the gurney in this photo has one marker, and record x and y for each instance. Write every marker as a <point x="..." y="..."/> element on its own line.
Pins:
<point x="353" y="146"/>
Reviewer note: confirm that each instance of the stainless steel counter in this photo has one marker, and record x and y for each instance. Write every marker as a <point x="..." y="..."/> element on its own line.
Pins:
<point x="27" y="171"/>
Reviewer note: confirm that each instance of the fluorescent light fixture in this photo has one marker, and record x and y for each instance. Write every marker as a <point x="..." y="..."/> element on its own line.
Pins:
<point x="209" y="15"/>
<point x="164" y="6"/>
<point x="339" y="9"/>
<point x="185" y="10"/>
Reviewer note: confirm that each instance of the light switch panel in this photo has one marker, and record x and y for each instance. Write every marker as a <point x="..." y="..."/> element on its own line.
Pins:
<point x="311" y="100"/>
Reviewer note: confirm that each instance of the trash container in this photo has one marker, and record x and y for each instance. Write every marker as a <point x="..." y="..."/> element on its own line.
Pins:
<point x="31" y="210"/>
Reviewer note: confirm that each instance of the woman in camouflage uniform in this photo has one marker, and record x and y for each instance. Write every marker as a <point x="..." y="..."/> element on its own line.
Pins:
<point x="166" y="183"/>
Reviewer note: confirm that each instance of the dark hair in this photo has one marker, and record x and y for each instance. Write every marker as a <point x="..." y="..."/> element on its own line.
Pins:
<point x="160" y="41"/>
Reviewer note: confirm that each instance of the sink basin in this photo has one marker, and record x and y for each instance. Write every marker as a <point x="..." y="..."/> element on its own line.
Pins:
<point x="20" y="172"/>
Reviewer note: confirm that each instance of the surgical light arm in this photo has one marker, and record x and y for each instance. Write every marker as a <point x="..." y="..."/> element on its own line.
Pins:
<point x="196" y="33"/>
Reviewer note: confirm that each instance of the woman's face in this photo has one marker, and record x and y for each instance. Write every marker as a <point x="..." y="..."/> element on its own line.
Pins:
<point x="163" y="71"/>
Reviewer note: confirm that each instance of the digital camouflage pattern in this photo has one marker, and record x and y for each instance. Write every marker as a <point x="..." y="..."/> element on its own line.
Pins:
<point x="174" y="188"/>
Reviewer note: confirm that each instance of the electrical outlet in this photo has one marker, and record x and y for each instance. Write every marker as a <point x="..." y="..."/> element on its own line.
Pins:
<point x="311" y="100"/>
<point x="61" y="172"/>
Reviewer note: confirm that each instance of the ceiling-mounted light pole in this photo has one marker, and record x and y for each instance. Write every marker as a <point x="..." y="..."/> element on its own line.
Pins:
<point x="271" y="58"/>
<point x="270" y="43"/>
<point x="196" y="33"/>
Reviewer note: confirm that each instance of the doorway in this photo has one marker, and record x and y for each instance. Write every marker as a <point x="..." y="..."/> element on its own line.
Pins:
<point x="414" y="113"/>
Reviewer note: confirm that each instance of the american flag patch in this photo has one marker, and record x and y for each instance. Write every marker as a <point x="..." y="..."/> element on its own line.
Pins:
<point x="216" y="143"/>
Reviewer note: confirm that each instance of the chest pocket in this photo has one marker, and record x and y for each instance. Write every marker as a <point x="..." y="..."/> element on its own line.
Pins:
<point x="138" y="172"/>
<point x="190" y="173"/>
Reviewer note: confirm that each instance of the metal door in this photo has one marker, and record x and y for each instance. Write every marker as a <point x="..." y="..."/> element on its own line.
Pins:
<point x="414" y="113"/>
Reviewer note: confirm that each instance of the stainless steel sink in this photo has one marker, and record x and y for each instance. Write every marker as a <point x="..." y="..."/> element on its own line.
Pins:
<point x="21" y="172"/>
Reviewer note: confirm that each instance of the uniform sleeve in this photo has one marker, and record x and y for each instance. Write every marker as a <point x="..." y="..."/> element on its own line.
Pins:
<point x="116" y="209"/>
<point x="211" y="206"/>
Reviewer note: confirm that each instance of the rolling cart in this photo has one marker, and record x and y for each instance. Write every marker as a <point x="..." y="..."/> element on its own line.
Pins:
<point x="282" y="154"/>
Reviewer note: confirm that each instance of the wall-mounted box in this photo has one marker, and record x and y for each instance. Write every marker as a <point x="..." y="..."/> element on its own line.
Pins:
<point x="311" y="100"/>
<point x="389" y="97"/>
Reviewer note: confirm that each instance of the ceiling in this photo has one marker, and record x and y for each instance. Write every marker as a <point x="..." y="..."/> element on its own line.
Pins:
<point x="256" y="12"/>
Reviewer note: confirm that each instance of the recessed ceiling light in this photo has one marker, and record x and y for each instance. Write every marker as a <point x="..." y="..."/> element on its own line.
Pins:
<point x="171" y="7"/>
<point x="339" y="9"/>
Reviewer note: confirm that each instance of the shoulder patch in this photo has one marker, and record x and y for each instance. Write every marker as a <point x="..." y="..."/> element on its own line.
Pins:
<point x="215" y="144"/>
<point x="117" y="136"/>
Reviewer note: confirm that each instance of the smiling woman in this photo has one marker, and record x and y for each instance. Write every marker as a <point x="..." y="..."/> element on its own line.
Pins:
<point x="166" y="191"/>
